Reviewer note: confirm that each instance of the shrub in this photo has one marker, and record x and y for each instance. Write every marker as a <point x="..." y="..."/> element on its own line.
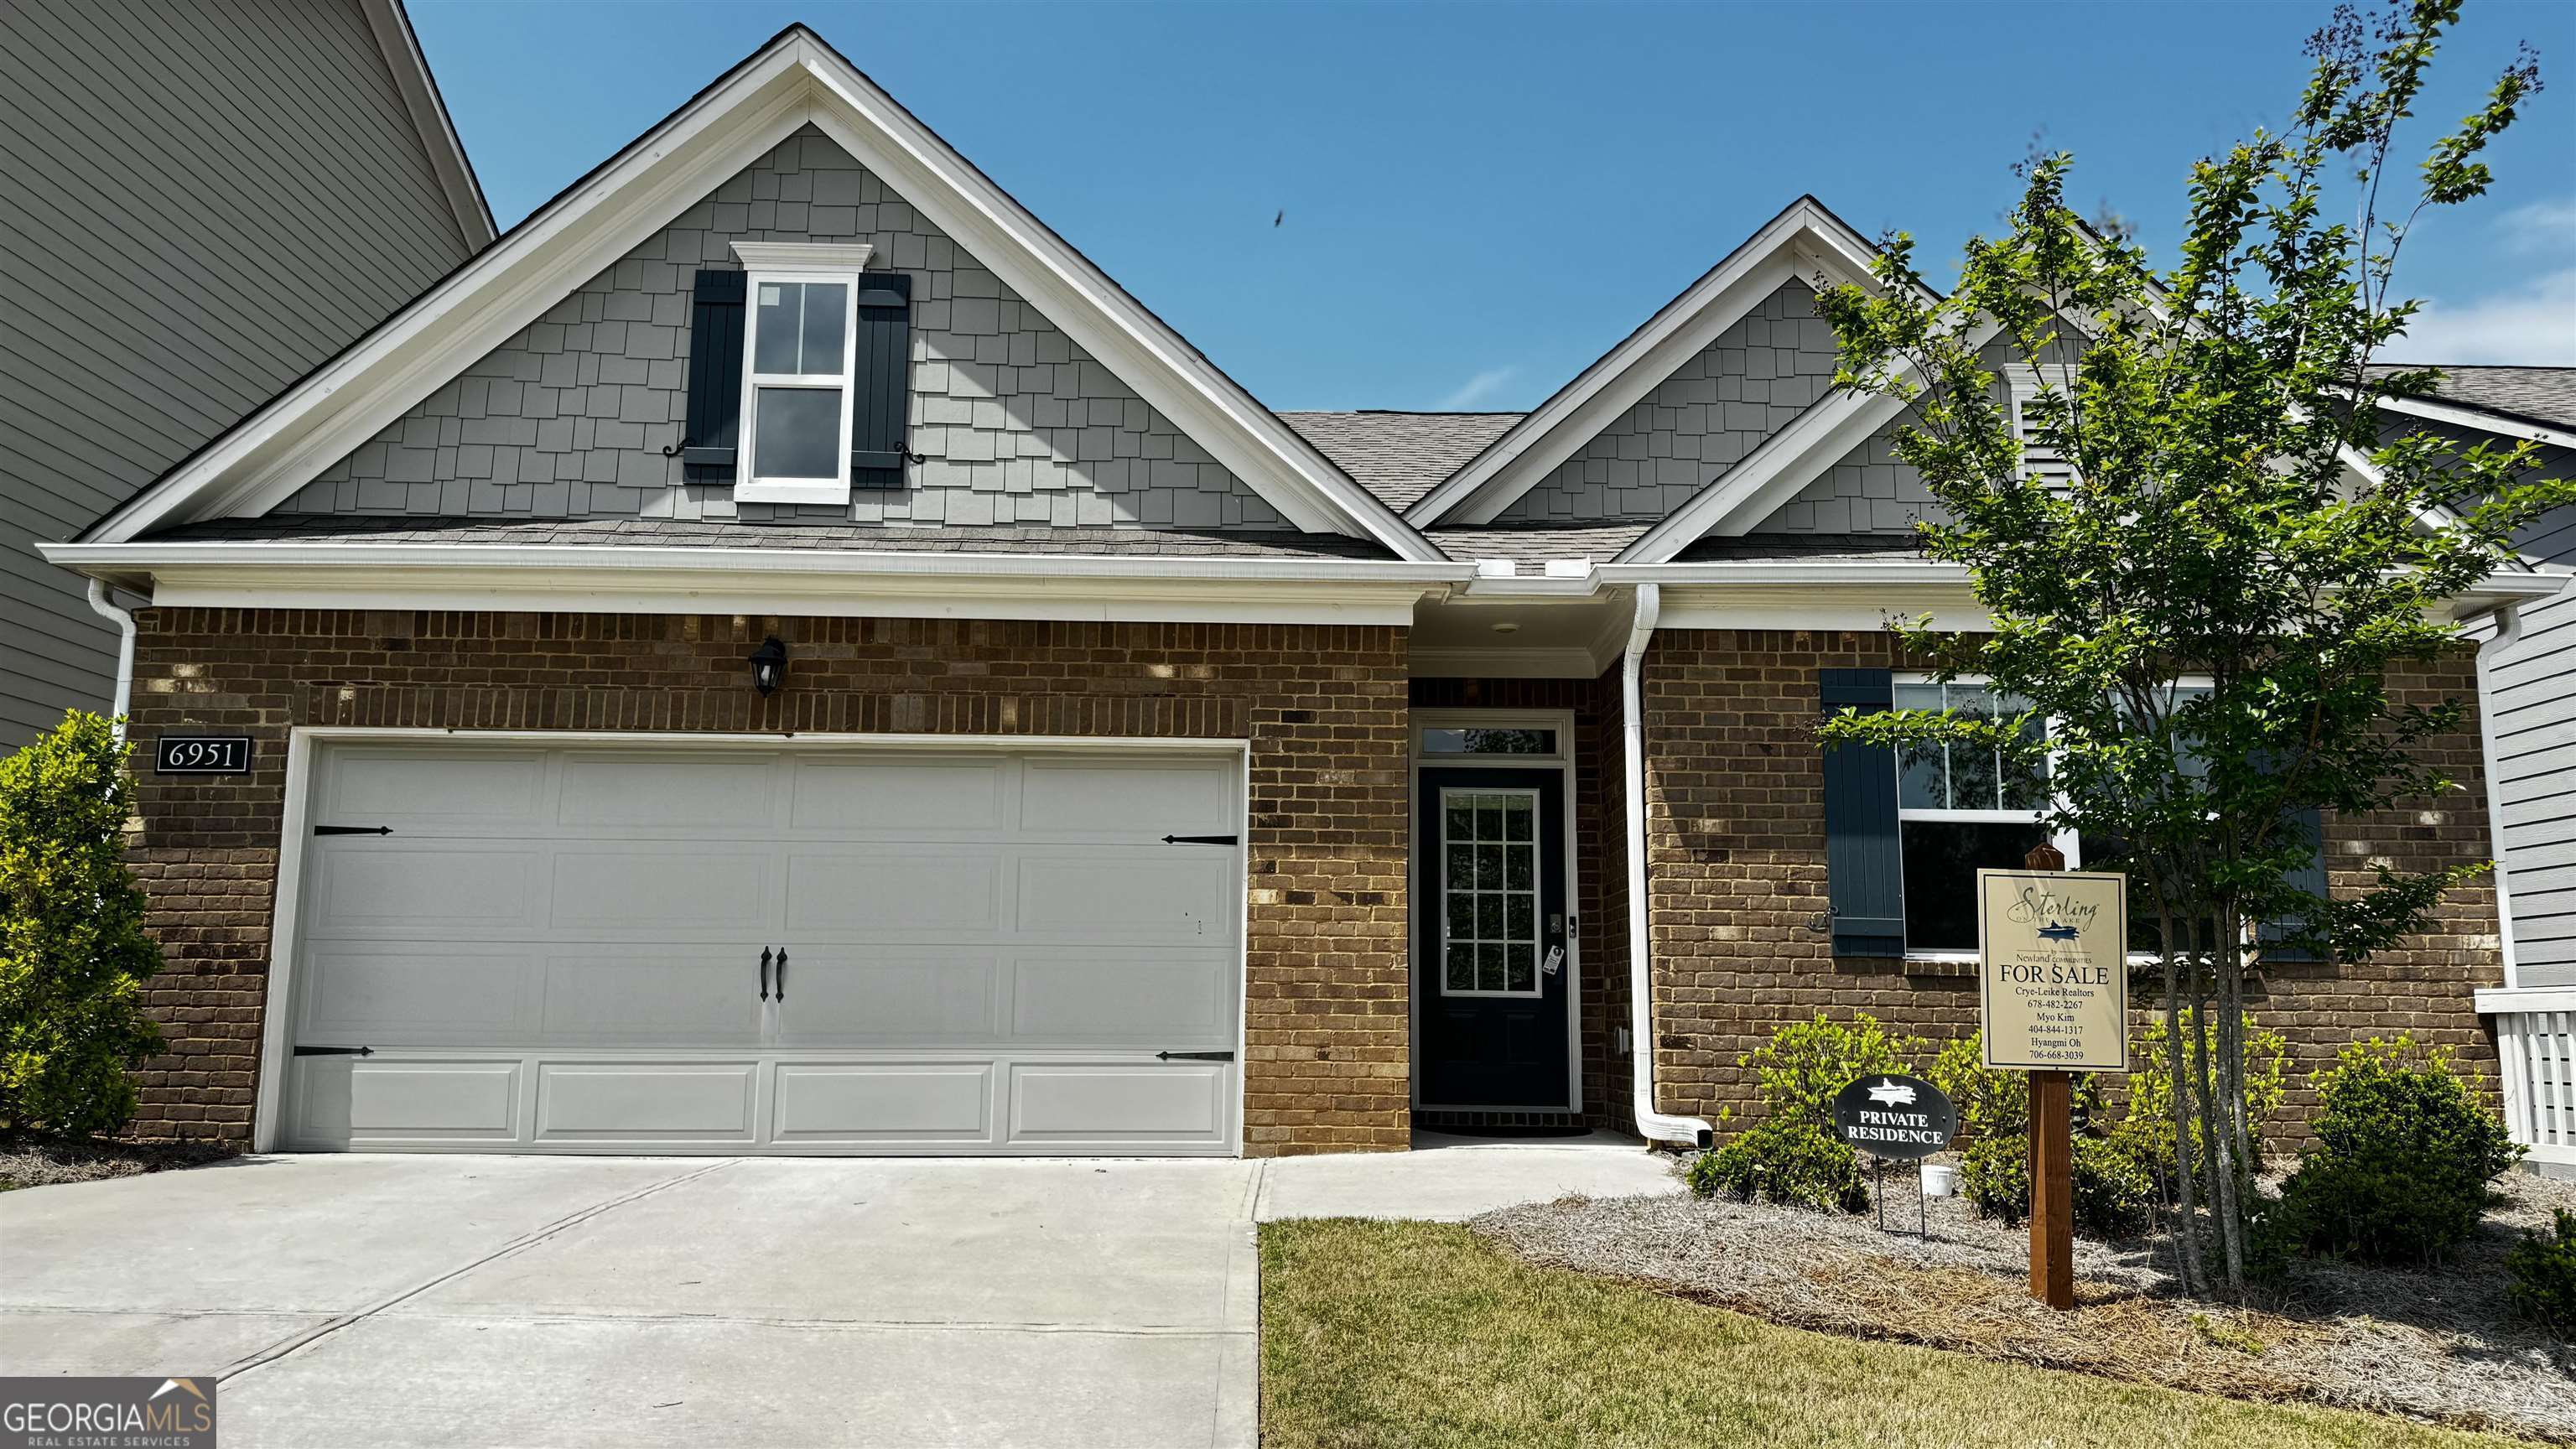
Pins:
<point x="2540" y="1276"/>
<point x="2147" y="1132"/>
<point x="1798" y="1071"/>
<point x="73" y="955"/>
<point x="2400" y="1166"/>
<point x="2114" y="1195"/>
<point x="1784" y="1160"/>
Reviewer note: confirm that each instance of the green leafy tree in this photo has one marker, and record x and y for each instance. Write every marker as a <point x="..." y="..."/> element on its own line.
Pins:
<point x="2217" y="503"/>
<point x="73" y="953"/>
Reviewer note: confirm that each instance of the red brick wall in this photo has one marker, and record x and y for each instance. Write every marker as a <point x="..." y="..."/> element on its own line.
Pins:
<point x="1324" y="708"/>
<point x="1737" y="849"/>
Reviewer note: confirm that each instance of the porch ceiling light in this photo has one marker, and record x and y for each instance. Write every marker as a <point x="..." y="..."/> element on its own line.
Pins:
<point x="768" y="666"/>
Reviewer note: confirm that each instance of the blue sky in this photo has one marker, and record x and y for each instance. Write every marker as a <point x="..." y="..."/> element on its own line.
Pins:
<point x="1481" y="198"/>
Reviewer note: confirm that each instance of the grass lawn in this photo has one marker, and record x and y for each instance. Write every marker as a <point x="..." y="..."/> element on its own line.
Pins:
<point x="1384" y="1334"/>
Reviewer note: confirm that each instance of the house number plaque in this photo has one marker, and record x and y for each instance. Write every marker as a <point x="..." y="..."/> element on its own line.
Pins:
<point x="201" y="755"/>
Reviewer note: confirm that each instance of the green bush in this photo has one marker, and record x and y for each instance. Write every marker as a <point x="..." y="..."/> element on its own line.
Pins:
<point x="2399" y="1170"/>
<point x="1800" y="1069"/>
<point x="73" y="955"/>
<point x="2147" y="1132"/>
<point x="2540" y="1276"/>
<point x="1784" y="1160"/>
<point x="2114" y="1195"/>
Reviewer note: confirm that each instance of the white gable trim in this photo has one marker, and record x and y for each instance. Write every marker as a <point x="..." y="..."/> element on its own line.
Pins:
<point x="2480" y="420"/>
<point x="1803" y="241"/>
<point x="793" y="81"/>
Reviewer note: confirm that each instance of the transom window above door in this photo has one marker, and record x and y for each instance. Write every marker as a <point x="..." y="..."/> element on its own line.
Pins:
<point x="1489" y="892"/>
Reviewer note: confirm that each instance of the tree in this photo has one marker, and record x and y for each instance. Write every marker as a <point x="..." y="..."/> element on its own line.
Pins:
<point x="73" y="953"/>
<point x="2204" y="494"/>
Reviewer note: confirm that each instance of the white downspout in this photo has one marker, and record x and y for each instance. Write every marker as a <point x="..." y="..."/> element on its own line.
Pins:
<point x="2508" y="633"/>
<point x="1652" y="1125"/>
<point x="124" y="622"/>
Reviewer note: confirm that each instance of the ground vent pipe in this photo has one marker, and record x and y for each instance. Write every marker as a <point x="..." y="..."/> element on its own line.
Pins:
<point x="1652" y="1125"/>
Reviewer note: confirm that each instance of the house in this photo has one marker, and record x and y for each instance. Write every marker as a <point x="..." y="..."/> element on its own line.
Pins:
<point x="2528" y="703"/>
<point x="779" y="653"/>
<point x="200" y="208"/>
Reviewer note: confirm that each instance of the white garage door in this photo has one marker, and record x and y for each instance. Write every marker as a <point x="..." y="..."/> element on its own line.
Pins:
<point x="766" y="950"/>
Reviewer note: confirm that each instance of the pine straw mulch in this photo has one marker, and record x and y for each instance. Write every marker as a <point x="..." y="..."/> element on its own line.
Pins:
<point x="29" y="1161"/>
<point x="2434" y="1346"/>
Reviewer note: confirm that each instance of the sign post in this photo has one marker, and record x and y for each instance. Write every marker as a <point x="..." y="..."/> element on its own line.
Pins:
<point x="2053" y="992"/>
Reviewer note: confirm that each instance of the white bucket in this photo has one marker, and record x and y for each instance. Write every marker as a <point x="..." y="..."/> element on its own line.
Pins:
<point x="1940" y="1179"/>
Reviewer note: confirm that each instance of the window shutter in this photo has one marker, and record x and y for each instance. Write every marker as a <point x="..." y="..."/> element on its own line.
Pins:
<point x="715" y="377"/>
<point x="1864" y="865"/>
<point x="881" y="405"/>
<point x="2310" y="878"/>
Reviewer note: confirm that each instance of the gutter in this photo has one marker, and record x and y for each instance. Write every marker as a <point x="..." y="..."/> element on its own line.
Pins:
<point x="107" y="609"/>
<point x="2508" y="633"/>
<point x="1652" y="1125"/>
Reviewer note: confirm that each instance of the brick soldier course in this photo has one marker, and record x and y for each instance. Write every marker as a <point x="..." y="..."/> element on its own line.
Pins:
<point x="1324" y="708"/>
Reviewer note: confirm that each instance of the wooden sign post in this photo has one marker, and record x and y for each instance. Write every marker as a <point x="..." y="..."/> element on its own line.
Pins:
<point x="2053" y="990"/>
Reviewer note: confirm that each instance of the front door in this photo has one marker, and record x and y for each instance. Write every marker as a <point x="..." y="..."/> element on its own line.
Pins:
<point x="1490" y="967"/>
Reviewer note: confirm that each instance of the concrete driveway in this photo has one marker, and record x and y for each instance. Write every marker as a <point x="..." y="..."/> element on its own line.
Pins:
<point x="562" y="1301"/>
<point x="786" y="1302"/>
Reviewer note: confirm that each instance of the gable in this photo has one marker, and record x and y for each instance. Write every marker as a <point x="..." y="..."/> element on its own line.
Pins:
<point x="1715" y="408"/>
<point x="1868" y="490"/>
<point x="1012" y="422"/>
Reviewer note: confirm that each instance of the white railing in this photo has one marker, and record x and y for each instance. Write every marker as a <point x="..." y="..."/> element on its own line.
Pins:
<point x="2536" y="1039"/>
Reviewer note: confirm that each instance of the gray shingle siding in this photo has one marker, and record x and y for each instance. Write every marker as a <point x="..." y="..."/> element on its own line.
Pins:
<point x="1869" y="490"/>
<point x="197" y="204"/>
<point x="1014" y="423"/>
<point x="1703" y="419"/>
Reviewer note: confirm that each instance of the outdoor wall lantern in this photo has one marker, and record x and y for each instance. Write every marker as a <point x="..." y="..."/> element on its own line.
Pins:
<point x="768" y="666"/>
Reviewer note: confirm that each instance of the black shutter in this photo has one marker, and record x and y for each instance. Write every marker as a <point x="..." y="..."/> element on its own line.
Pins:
<point x="882" y="403"/>
<point x="2311" y="878"/>
<point x="715" y="377"/>
<point x="1864" y="865"/>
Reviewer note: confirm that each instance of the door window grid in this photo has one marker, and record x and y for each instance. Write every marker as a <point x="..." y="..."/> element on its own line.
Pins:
<point x="1489" y="892"/>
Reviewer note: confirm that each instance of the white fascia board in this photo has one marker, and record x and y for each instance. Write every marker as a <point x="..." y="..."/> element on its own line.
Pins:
<point x="1136" y="346"/>
<point x="2510" y="1001"/>
<point x="1801" y="241"/>
<point x="284" y="445"/>
<point x="542" y="578"/>
<point x="2480" y="420"/>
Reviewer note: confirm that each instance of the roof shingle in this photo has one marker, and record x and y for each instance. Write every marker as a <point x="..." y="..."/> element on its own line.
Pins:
<point x="1400" y="456"/>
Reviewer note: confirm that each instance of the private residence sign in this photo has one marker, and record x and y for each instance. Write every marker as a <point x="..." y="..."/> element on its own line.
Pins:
<point x="2053" y="973"/>
<point x="1894" y="1116"/>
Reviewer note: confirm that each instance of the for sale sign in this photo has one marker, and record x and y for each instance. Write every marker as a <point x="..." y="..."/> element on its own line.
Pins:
<point x="2053" y="969"/>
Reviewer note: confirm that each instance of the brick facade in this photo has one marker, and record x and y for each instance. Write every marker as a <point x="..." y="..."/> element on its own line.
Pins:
<point x="1323" y="707"/>
<point x="1736" y="840"/>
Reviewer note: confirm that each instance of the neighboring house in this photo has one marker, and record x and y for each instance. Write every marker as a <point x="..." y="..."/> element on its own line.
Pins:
<point x="197" y="204"/>
<point x="2530" y="720"/>
<point x="779" y="653"/>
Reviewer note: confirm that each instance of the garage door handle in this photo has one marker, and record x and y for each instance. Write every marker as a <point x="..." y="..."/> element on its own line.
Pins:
<point x="764" y="973"/>
<point x="782" y="973"/>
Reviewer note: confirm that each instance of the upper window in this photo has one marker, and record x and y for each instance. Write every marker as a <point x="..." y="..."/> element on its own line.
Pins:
<point x="797" y="398"/>
<point x="1474" y="741"/>
<point x="1960" y="810"/>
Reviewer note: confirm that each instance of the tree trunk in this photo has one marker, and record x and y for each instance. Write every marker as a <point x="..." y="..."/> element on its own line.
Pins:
<point x="2195" y="1280"/>
<point x="2230" y="961"/>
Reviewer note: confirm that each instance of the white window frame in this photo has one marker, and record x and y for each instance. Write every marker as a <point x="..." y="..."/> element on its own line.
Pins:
<point x="2068" y="843"/>
<point x="776" y="262"/>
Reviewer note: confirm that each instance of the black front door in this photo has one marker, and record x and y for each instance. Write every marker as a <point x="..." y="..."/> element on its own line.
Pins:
<point x="1490" y="940"/>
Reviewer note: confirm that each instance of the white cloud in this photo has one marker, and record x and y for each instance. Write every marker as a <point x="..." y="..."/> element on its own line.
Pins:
<point x="2533" y="324"/>
<point x="1479" y="389"/>
<point x="2541" y="226"/>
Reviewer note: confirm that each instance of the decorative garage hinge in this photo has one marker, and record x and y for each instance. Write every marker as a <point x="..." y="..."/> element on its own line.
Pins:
<point x="1202" y="840"/>
<point x="353" y="830"/>
<point x="1194" y="1056"/>
<point x="312" y="1051"/>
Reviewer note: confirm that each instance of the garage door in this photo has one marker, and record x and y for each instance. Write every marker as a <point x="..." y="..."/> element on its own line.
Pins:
<point x="766" y="950"/>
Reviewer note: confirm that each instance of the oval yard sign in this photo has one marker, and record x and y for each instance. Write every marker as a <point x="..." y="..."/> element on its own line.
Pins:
<point x="1894" y="1116"/>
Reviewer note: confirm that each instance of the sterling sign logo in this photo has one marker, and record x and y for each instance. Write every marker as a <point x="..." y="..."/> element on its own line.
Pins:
<point x="1894" y="1116"/>
<point x="107" y="1413"/>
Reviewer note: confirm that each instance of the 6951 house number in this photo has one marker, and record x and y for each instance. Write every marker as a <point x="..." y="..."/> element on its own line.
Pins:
<point x="201" y="755"/>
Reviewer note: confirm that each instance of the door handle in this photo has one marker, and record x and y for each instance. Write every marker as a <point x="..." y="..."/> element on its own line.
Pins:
<point x="764" y="973"/>
<point x="782" y="973"/>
